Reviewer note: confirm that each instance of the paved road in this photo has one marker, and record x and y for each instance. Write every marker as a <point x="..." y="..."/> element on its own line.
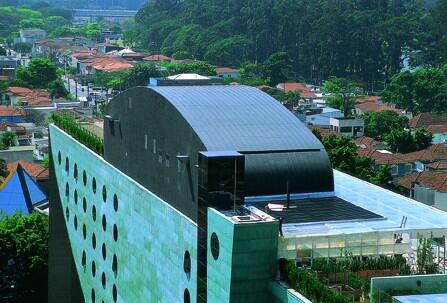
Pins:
<point x="72" y="88"/>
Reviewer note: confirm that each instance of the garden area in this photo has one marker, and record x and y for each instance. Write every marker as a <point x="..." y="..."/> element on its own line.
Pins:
<point x="348" y="278"/>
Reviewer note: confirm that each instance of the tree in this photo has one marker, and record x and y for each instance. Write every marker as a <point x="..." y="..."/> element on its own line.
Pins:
<point x="3" y="168"/>
<point x="2" y="51"/>
<point x="232" y="51"/>
<point x="23" y="48"/>
<point x="57" y="89"/>
<point x="277" y="67"/>
<point x="343" y="92"/>
<point x="39" y="73"/>
<point x="379" y="124"/>
<point x="8" y="139"/>
<point x="23" y="257"/>
<point x="422" y="139"/>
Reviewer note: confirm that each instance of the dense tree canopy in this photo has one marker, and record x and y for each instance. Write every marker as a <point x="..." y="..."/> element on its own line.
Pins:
<point x="378" y="124"/>
<point x="361" y="39"/>
<point x="39" y="73"/>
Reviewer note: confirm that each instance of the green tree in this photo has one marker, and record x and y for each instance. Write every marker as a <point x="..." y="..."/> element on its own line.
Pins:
<point x="379" y="124"/>
<point x="23" y="257"/>
<point x="343" y="92"/>
<point x="276" y="68"/>
<point x="8" y="139"/>
<point x="2" y="51"/>
<point x="57" y="89"/>
<point x="3" y="168"/>
<point x="39" y="73"/>
<point x="399" y="140"/>
<point x="232" y="51"/>
<point x="23" y="48"/>
<point x="422" y="139"/>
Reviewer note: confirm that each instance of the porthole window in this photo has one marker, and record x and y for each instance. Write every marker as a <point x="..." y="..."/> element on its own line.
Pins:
<point x="67" y="165"/>
<point x="94" y="241"/>
<point x="84" y="231"/>
<point x="67" y="190"/>
<point x="114" y="293"/>
<point x="187" y="262"/>
<point x="93" y="296"/>
<point x="59" y="158"/>
<point x="104" y="193"/>
<point x="84" y="178"/>
<point x="67" y="214"/>
<point x="84" y="259"/>
<point x="214" y="246"/>
<point x="104" y="251"/>
<point x="75" y="172"/>
<point x="115" y="232"/>
<point x="115" y="202"/>
<point x="94" y="185"/>
<point x="103" y="280"/>
<point x="84" y="205"/>
<point x="115" y="266"/>
<point x="186" y="296"/>
<point x="75" y="196"/>
<point x="75" y="222"/>
<point x="104" y="222"/>
<point x="94" y="213"/>
<point x="93" y="268"/>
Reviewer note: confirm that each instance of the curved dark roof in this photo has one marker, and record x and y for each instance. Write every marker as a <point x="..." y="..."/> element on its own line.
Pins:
<point x="240" y="118"/>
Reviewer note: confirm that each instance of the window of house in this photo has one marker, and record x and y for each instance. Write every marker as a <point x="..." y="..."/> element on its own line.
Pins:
<point x="408" y="168"/>
<point x="394" y="170"/>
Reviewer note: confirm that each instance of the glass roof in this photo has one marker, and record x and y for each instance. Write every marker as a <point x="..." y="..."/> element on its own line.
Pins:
<point x="391" y="206"/>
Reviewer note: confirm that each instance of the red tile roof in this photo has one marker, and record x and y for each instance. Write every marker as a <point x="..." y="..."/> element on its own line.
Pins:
<point x="366" y="143"/>
<point x="109" y="64"/>
<point x="382" y="158"/>
<point x="373" y="107"/>
<point x="221" y="70"/>
<point x="367" y="99"/>
<point x="16" y="90"/>
<point x="18" y="129"/>
<point x="438" y="165"/>
<point x="427" y="119"/>
<point x="156" y="58"/>
<point x="36" y="171"/>
<point x="304" y="91"/>
<point x="432" y="179"/>
<point x="437" y="129"/>
<point x="10" y="111"/>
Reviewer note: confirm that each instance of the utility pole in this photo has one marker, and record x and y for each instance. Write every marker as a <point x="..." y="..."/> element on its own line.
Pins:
<point x="76" y="87"/>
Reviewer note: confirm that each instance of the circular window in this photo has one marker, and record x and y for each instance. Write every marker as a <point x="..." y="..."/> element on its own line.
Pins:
<point x="67" y="165"/>
<point x="93" y="268"/>
<point x="115" y="202"/>
<point x="76" y="196"/>
<point x="214" y="246"/>
<point x="104" y="193"/>
<point x="84" y="259"/>
<point x="59" y="158"/>
<point x="94" y="213"/>
<point x="94" y="241"/>
<point x="67" y="213"/>
<point x="75" y="222"/>
<point x="104" y="251"/>
<point x="187" y="262"/>
<point x="67" y="190"/>
<point x="103" y="280"/>
<point x="93" y="296"/>
<point x="75" y="172"/>
<point x="84" y="231"/>
<point x="114" y="293"/>
<point x="94" y="185"/>
<point x="104" y="222"/>
<point x="84" y="204"/>
<point x="115" y="232"/>
<point x="115" y="266"/>
<point x="186" y="296"/>
<point x="84" y="178"/>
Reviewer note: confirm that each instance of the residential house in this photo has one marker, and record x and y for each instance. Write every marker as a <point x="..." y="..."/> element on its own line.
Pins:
<point x="36" y="171"/>
<point x="16" y="153"/>
<point x="227" y="72"/>
<point x="368" y="143"/>
<point x="21" y="138"/>
<point x="107" y="47"/>
<point x="399" y="166"/>
<point x="429" y="187"/>
<point x="157" y="58"/>
<point x="11" y="114"/>
<point x="21" y="193"/>
<point x="433" y="153"/>
<point x="322" y="119"/>
<point x="370" y="107"/>
<point x="349" y="126"/>
<point x="30" y="35"/>
<point x="9" y="62"/>
<point x="29" y="98"/>
<point x="434" y="123"/>
<point x="133" y="57"/>
<point x="437" y="166"/>
<point x="108" y="35"/>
